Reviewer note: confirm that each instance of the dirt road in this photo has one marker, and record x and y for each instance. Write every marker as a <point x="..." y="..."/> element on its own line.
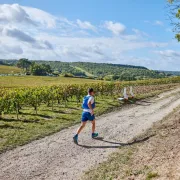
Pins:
<point x="57" y="158"/>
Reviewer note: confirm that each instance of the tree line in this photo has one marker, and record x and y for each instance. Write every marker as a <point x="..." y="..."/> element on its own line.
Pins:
<point x="101" y="71"/>
<point x="34" y="68"/>
<point x="119" y="72"/>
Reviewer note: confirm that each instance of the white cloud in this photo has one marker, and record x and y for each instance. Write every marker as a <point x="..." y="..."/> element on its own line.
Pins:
<point x="15" y="33"/>
<point x="86" y="25"/>
<point x="99" y="49"/>
<point x="10" y="49"/>
<point x="140" y="33"/>
<point x="115" y="28"/>
<point x="168" y="53"/>
<point x="23" y="37"/>
<point x="168" y="59"/>
<point x="14" y="14"/>
<point x="35" y="34"/>
<point x="13" y="49"/>
<point x="42" y="17"/>
<point x="158" y="23"/>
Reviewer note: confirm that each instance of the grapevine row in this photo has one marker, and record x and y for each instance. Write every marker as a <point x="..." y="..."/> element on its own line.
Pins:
<point x="12" y="100"/>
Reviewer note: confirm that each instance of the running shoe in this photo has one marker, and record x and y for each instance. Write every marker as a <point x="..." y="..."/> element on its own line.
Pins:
<point x="94" y="135"/>
<point x="75" y="139"/>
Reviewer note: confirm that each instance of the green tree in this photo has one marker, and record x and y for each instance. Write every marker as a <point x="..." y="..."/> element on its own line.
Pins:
<point x="174" y="16"/>
<point x="24" y="64"/>
<point x="40" y="70"/>
<point x="47" y="68"/>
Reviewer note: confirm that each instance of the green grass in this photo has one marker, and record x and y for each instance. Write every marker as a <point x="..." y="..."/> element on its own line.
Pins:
<point x="151" y="175"/>
<point x="21" y="81"/>
<point x="9" y="69"/>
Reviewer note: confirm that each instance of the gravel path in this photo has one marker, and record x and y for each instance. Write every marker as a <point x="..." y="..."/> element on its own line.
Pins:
<point x="57" y="158"/>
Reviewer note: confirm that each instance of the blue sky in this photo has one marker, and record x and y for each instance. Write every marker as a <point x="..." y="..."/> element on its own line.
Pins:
<point x="127" y="32"/>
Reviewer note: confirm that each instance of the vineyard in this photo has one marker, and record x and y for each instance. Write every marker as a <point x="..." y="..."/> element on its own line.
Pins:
<point x="13" y="100"/>
<point x="29" y="113"/>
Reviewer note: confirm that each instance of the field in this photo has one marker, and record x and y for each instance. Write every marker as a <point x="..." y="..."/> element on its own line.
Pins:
<point x="33" y="110"/>
<point x="34" y="81"/>
<point x="9" y="69"/>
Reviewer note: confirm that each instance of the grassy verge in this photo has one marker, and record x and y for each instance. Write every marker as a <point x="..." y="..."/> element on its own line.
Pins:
<point x="156" y="158"/>
<point x="32" y="126"/>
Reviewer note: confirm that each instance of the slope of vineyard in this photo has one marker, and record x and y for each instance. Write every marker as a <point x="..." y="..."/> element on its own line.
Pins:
<point x="9" y="69"/>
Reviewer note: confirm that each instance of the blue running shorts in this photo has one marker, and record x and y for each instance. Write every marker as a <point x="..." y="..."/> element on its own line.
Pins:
<point x="87" y="116"/>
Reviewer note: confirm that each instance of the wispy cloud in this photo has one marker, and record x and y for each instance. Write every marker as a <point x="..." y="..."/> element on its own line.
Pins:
<point x="155" y="23"/>
<point x="169" y="59"/>
<point x="168" y="53"/>
<point x="140" y="33"/>
<point x="115" y="27"/>
<point x="158" y="23"/>
<point x="86" y="25"/>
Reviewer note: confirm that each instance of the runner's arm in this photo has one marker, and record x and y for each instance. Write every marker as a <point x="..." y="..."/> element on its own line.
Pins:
<point x="90" y="107"/>
<point x="91" y="100"/>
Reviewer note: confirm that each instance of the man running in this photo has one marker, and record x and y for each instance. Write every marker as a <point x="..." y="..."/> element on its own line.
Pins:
<point x="87" y="114"/>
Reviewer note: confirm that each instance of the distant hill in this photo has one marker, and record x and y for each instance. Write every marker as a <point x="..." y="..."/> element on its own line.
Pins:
<point x="118" y="71"/>
<point x="170" y="73"/>
<point x="104" y="70"/>
<point x="98" y="70"/>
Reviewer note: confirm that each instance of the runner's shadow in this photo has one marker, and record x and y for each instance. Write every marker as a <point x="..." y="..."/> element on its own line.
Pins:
<point x="146" y="101"/>
<point x="140" y="104"/>
<point x="116" y="144"/>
